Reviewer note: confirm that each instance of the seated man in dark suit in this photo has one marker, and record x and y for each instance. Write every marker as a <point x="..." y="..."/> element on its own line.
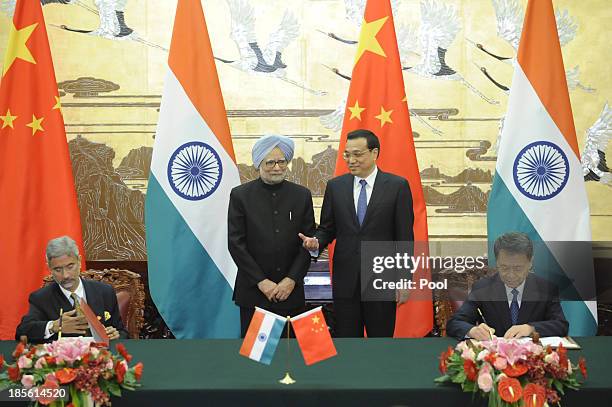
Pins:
<point x="42" y="322"/>
<point x="513" y="302"/>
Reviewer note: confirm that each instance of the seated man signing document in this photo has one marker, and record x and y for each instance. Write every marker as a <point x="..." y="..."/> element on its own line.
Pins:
<point x="513" y="302"/>
<point x="42" y="322"/>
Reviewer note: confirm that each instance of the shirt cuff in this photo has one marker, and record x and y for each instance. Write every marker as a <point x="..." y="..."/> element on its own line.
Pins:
<point x="313" y="253"/>
<point x="48" y="333"/>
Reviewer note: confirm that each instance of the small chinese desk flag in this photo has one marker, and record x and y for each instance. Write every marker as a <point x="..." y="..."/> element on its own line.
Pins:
<point x="313" y="336"/>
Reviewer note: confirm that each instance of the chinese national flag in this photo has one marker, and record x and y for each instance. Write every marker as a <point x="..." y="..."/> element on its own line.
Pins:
<point x="313" y="336"/>
<point x="377" y="102"/>
<point x="37" y="194"/>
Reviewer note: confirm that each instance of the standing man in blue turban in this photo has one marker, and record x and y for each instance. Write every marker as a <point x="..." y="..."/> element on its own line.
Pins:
<point x="264" y="219"/>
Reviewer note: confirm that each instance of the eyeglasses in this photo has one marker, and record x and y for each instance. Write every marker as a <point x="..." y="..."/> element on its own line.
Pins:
<point x="357" y="154"/>
<point x="67" y="267"/>
<point x="272" y="163"/>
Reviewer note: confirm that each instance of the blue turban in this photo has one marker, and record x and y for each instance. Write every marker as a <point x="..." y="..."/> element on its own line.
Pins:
<point x="264" y="145"/>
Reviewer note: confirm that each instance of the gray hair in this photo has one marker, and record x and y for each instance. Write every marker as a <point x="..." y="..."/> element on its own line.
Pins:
<point x="62" y="246"/>
<point x="514" y="242"/>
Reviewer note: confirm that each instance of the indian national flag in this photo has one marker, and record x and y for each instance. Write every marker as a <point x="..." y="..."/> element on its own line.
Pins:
<point x="538" y="187"/>
<point x="263" y="335"/>
<point x="193" y="169"/>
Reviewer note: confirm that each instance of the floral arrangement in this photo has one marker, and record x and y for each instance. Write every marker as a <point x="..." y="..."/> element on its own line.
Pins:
<point x="511" y="372"/>
<point x="84" y="370"/>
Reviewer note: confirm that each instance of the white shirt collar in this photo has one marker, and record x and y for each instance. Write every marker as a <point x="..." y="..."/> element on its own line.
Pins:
<point x="80" y="291"/>
<point x="520" y="289"/>
<point x="369" y="179"/>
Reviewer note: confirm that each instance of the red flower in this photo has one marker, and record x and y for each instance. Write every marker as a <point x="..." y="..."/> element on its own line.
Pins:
<point x="49" y="384"/>
<point x="444" y="359"/>
<point x="491" y="358"/>
<point x="509" y="389"/>
<point x="516" y="370"/>
<point x="123" y="351"/>
<point x="85" y="359"/>
<point x="1" y="362"/>
<point x="50" y="360"/>
<point x="120" y="370"/>
<point x="66" y="375"/>
<point x="18" y="350"/>
<point x="138" y="370"/>
<point x="471" y="371"/>
<point x="534" y="395"/>
<point x="13" y="373"/>
<point x="582" y="366"/>
<point x="563" y="361"/>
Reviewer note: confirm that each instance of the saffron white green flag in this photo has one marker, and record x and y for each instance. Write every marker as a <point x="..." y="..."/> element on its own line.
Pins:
<point x="539" y="187"/>
<point x="193" y="169"/>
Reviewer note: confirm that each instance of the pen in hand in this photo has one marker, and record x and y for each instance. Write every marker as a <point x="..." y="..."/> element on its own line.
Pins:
<point x="59" y="329"/>
<point x="485" y="322"/>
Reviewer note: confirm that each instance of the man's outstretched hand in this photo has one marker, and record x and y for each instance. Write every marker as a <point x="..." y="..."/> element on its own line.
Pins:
<point x="309" y="243"/>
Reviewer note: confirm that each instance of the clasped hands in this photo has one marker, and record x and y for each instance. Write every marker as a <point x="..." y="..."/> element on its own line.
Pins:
<point x="276" y="292"/>
<point x="76" y="324"/>
<point x="483" y="332"/>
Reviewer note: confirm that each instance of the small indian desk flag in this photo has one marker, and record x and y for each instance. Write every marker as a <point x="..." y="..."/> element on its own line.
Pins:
<point x="262" y="337"/>
<point x="313" y="336"/>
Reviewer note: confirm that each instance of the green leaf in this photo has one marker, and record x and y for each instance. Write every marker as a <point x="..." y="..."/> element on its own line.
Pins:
<point x="460" y="378"/>
<point x="74" y="396"/>
<point x="129" y="377"/>
<point x="558" y="386"/>
<point x="442" y="379"/>
<point x="468" y="386"/>
<point x="114" y="389"/>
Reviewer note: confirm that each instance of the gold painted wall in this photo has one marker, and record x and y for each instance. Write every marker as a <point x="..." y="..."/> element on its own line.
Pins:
<point x="456" y="129"/>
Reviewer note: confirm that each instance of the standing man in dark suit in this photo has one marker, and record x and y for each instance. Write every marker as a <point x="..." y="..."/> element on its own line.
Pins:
<point x="513" y="301"/>
<point x="365" y="205"/>
<point x="42" y="322"/>
<point x="264" y="218"/>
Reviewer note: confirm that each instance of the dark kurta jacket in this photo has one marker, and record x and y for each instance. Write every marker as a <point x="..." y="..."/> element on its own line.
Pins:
<point x="389" y="217"/>
<point x="45" y="304"/>
<point x="540" y="308"/>
<point x="263" y="225"/>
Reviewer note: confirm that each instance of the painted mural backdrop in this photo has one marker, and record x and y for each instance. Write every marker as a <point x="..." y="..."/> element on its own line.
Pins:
<point x="285" y="67"/>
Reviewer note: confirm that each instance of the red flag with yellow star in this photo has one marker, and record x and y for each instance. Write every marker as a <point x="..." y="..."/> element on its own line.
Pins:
<point x="313" y="336"/>
<point x="37" y="195"/>
<point x="377" y="102"/>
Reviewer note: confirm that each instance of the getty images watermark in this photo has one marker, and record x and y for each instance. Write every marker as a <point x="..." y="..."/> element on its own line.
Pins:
<point x="450" y="268"/>
<point x="390" y="266"/>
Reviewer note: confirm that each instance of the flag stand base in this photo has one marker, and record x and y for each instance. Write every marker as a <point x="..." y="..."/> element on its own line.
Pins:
<point x="287" y="379"/>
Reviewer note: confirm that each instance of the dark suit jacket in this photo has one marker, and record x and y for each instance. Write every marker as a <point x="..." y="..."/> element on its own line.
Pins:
<point x="45" y="304"/>
<point x="263" y="225"/>
<point x="540" y="308"/>
<point x="389" y="217"/>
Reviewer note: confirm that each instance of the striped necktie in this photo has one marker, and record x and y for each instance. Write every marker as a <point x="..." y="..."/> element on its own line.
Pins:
<point x="514" y="306"/>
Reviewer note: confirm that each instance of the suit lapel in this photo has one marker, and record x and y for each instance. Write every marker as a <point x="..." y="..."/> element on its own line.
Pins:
<point x="61" y="299"/>
<point x="502" y="304"/>
<point x="527" y="304"/>
<point x="347" y="185"/>
<point x="378" y="190"/>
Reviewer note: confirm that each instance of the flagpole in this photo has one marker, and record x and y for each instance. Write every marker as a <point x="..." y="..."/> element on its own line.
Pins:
<point x="287" y="379"/>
